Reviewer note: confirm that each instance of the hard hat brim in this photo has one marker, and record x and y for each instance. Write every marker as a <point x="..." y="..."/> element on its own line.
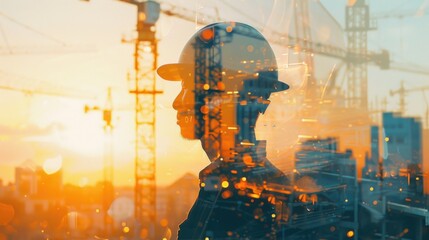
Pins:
<point x="175" y="71"/>
<point x="280" y="86"/>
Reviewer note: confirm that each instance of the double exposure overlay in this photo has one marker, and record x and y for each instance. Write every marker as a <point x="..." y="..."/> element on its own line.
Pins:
<point x="214" y="119"/>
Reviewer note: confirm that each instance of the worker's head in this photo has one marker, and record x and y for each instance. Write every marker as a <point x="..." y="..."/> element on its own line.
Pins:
<point x="228" y="71"/>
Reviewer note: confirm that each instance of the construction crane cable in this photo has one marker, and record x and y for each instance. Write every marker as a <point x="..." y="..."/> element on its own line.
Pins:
<point x="32" y="86"/>
<point x="400" y="7"/>
<point x="6" y="41"/>
<point x="427" y="109"/>
<point x="33" y="30"/>
<point x="400" y="15"/>
<point x="399" y="12"/>
<point x="240" y="11"/>
<point x="411" y="68"/>
<point x="423" y="7"/>
<point x="334" y="21"/>
<point x="278" y="38"/>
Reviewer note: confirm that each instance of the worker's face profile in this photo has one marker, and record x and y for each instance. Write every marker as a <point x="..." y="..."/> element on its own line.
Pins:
<point x="191" y="111"/>
<point x="221" y="68"/>
<point x="184" y="104"/>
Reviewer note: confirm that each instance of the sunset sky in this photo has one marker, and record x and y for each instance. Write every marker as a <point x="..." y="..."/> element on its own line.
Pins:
<point x="73" y="48"/>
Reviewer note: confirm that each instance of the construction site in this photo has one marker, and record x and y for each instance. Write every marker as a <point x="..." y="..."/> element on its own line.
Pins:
<point x="90" y="147"/>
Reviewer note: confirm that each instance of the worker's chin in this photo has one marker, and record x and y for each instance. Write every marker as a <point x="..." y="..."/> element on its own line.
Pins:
<point x="188" y="133"/>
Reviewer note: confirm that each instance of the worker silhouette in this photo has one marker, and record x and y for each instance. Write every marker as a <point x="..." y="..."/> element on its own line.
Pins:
<point x="228" y="71"/>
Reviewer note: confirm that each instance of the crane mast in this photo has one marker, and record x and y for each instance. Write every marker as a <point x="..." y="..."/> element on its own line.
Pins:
<point x="207" y="79"/>
<point x="144" y="90"/>
<point x="303" y="43"/>
<point x="108" y="166"/>
<point x="402" y="92"/>
<point x="357" y="27"/>
<point x="143" y="87"/>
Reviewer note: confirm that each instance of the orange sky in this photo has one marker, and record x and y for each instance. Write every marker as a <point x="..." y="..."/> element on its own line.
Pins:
<point x="39" y="127"/>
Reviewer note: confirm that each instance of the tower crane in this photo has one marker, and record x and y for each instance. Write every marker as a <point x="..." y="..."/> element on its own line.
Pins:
<point x="402" y="91"/>
<point x="108" y="166"/>
<point x="145" y="91"/>
<point x="302" y="29"/>
<point x="357" y="26"/>
<point x="358" y="23"/>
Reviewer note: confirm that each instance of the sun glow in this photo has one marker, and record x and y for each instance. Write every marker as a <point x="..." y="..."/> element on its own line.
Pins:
<point x="53" y="165"/>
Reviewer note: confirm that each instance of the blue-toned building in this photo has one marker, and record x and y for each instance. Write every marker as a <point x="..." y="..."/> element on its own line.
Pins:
<point x="372" y="169"/>
<point x="403" y="141"/>
<point x="391" y="188"/>
<point x="330" y="174"/>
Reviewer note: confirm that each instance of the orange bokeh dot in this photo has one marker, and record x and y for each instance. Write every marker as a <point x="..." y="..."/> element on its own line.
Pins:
<point x="7" y="212"/>
<point x="221" y="86"/>
<point x="247" y="159"/>
<point x="144" y="233"/>
<point x="226" y="194"/>
<point x="207" y="35"/>
<point x="164" y="222"/>
<point x="204" y="109"/>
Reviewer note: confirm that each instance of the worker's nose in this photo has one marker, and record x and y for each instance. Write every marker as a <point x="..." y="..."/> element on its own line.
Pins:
<point x="178" y="100"/>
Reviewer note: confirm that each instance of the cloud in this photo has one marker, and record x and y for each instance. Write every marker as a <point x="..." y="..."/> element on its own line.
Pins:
<point x="18" y="144"/>
<point x="28" y="130"/>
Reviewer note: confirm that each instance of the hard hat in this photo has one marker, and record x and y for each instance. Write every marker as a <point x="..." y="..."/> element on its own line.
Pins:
<point x="246" y="59"/>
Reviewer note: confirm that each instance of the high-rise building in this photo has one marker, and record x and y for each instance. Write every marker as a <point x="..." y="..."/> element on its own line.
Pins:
<point x="426" y="160"/>
<point x="394" y="194"/>
<point x="323" y="155"/>
<point x="26" y="179"/>
<point x="331" y="176"/>
<point x="39" y="191"/>
<point x="32" y="180"/>
<point x="49" y="185"/>
<point x="373" y="167"/>
<point x="403" y="141"/>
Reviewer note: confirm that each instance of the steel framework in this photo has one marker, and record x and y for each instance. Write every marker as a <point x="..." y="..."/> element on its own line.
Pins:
<point x="357" y="27"/>
<point x="144" y="90"/>
<point x="208" y="80"/>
